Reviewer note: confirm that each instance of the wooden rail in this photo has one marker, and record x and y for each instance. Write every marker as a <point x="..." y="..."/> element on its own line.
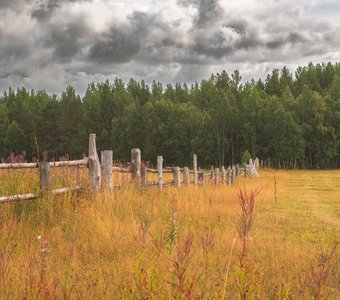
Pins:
<point x="81" y="162"/>
<point x="32" y="196"/>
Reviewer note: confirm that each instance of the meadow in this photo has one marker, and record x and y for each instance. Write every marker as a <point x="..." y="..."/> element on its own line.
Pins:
<point x="187" y="243"/>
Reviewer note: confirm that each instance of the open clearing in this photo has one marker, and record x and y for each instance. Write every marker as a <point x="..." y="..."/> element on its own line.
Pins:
<point x="135" y="243"/>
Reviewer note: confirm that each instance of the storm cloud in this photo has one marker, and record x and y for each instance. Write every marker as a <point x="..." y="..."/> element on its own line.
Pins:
<point x="47" y="44"/>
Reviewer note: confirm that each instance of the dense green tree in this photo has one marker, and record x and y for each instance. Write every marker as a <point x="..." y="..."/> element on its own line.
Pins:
<point x="4" y="122"/>
<point x="15" y="140"/>
<point x="71" y="136"/>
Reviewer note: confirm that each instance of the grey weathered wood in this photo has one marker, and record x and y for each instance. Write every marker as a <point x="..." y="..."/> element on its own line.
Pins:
<point x="80" y="162"/>
<point x="177" y="176"/>
<point x="217" y="176"/>
<point x="69" y="163"/>
<point x="237" y="170"/>
<point x="186" y="178"/>
<point x="106" y="158"/>
<point x="121" y="170"/>
<point x="44" y="176"/>
<point x="94" y="164"/>
<point x="223" y="174"/>
<point x="202" y="175"/>
<point x="144" y="174"/>
<point x="136" y="162"/>
<point x="232" y="174"/>
<point x="229" y="175"/>
<point x="212" y="169"/>
<point x="30" y="196"/>
<point x="194" y="166"/>
<point x="19" y="166"/>
<point x="66" y="190"/>
<point x="167" y="170"/>
<point x="160" y="172"/>
<point x="245" y="170"/>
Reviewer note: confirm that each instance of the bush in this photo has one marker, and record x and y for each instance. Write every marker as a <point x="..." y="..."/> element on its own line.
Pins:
<point x="246" y="157"/>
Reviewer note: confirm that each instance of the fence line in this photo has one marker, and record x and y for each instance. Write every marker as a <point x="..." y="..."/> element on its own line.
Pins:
<point x="100" y="173"/>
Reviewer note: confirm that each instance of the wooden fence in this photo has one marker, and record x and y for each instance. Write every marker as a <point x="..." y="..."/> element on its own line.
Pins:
<point x="100" y="173"/>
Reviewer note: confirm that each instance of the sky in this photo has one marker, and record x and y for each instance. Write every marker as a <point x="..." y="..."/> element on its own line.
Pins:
<point x="50" y="44"/>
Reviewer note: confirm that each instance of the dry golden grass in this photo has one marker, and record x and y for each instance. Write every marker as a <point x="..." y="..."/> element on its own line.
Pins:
<point x="138" y="243"/>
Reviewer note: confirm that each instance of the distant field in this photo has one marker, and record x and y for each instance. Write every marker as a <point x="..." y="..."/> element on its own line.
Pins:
<point x="180" y="243"/>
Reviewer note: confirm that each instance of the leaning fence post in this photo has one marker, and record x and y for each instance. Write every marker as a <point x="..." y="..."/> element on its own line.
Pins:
<point x="44" y="176"/>
<point x="144" y="174"/>
<point x="194" y="166"/>
<point x="202" y="178"/>
<point x="229" y="176"/>
<point x="217" y="175"/>
<point x="136" y="162"/>
<point x="160" y="171"/>
<point x="232" y="174"/>
<point x="186" y="178"/>
<point x="212" y="173"/>
<point x="106" y="158"/>
<point x="177" y="176"/>
<point x="223" y="174"/>
<point x="94" y="164"/>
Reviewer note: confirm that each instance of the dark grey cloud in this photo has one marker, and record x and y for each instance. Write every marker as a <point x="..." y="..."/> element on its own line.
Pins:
<point x="208" y="11"/>
<point x="13" y="50"/>
<point x="122" y="43"/>
<point x="67" y="39"/>
<point x="19" y="74"/>
<point x="239" y="26"/>
<point x="117" y="45"/>
<point x="44" y="9"/>
<point x="13" y="4"/>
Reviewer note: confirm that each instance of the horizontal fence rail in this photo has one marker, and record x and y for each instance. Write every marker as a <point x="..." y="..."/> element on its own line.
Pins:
<point x="100" y="173"/>
<point x="81" y="162"/>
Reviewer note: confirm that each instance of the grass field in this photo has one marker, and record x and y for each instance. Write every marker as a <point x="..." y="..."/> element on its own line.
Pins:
<point x="180" y="243"/>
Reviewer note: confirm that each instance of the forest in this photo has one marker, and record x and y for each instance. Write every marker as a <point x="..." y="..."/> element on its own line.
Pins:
<point x="288" y="120"/>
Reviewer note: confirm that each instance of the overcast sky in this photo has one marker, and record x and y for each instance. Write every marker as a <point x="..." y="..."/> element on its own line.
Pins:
<point x="48" y="44"/>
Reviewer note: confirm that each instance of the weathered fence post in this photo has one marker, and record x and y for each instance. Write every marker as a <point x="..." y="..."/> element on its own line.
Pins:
<point x="160" y="172"/>
<point x="212" y="173"/>
<point x="245" y="170"/>
<point x="229" y="176"/>
<point x="144" y="174"/>
<point x="202" y="175"/>
<point x="237" y="170"/>
<point x="177" y="176"/>
<point x="217" y="175"/>
<point x="106" y="158"/>
<point x="232" y="174"/>
<point x="223" y="174"/>
<point x="44" y="176"/>
<point x="186" y="178"/>
<point x="194" y="166"/>
<point x="136" y="162"/>
<point x="94" y="164"/>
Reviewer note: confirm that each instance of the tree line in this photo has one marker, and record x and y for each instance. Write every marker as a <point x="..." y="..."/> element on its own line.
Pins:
<point x="288" y="120"/>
